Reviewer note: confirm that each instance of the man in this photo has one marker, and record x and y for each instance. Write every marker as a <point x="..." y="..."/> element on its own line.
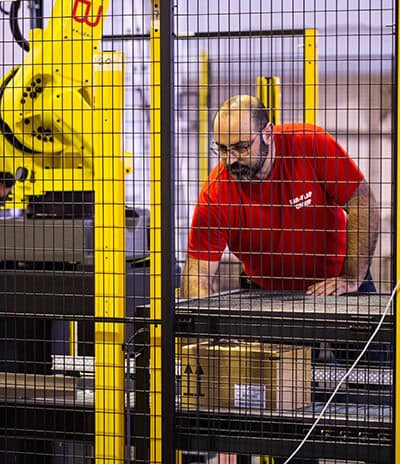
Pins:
<point x="287" y="201"/>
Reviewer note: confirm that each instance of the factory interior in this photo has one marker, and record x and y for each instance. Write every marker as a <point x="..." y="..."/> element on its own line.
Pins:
<point x="199" y="212"/>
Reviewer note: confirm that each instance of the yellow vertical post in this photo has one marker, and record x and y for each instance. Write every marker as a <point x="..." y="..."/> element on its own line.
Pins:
<point x="109" y="258"/>
<point x="276" y="99"/>
<point x="261" y="90"/>
<point x="203" y="118"/>
<point x="73" y="339"/>
<point x="270" y="101"/>
<point x="269" y="92"/>
<point x="267" y="460"/>
<point x="155" y="238"/>
<point x="310" y="76"/>
<point x="396" y="438"/>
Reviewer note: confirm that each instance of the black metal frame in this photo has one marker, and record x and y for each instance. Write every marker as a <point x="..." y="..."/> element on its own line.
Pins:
<point x="274" y="433"/>
<point x="168" y="267"/>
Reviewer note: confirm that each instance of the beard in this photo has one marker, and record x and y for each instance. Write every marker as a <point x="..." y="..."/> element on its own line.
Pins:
<point x="241" y="171"/>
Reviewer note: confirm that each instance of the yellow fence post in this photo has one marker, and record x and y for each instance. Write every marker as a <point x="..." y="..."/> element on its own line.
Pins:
<point x="109" y="258"/>
<point x="73" y="339"/>
<point x="276" y="99"/>
<point x="268" y="90"/>
<point x="261" y="90"/>
<point x="310" y="76"/>
<point x="203" y="118"/>
<point x="155" y="239"/>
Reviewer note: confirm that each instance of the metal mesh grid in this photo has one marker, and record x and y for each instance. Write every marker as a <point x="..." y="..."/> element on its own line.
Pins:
<point x="253" y="369"/>
<point x="256" y="368"/>
<point x="74" y="238"/>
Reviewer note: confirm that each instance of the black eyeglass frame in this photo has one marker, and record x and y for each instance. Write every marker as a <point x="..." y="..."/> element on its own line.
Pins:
<point x="241" y="148"/>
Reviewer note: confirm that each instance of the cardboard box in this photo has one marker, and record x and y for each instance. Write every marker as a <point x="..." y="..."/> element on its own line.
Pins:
<point x="244" y="375"/>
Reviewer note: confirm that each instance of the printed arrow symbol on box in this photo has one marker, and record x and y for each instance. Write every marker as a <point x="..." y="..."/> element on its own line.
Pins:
<point x="188" y="371"/>
<point x="199" y="372"/>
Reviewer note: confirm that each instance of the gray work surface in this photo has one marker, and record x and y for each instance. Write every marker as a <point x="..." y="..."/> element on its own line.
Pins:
<point x="286" y="317"/>
<point x="257" y="300"/>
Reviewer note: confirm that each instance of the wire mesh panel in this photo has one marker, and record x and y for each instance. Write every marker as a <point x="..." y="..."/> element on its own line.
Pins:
<point x="74" y="235"/>
<point x="284" y="229"/>
<point x="237" y="155"/>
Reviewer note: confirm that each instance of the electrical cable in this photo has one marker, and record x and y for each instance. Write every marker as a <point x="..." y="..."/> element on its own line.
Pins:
<point x="5" y="129"/>
<point x="3" y="10"/>
<point x="14" y="26"/>
<point x="342" y="380"/>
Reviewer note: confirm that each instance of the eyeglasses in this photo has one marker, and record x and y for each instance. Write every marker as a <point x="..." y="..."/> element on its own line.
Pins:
<point x="241" y="149"/>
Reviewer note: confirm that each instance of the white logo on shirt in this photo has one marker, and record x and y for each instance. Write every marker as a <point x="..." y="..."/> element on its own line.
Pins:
<point x="302" y="200"/>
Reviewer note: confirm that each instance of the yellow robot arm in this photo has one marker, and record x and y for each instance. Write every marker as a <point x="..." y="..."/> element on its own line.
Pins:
<point x="46" y="122"/>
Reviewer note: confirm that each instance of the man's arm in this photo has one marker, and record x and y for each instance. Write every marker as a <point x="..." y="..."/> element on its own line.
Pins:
<point x="362" y="232"/>
<point x="362" y="235"/>
<point x="197" y="277"/>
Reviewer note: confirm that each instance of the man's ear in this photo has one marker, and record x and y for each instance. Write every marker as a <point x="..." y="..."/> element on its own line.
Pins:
<point x="267" y="133"/>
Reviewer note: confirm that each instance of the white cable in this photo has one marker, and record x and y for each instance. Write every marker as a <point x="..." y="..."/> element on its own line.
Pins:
<point x="345" y="376"/>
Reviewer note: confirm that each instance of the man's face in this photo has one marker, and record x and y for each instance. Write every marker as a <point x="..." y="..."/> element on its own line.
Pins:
<point x="242" y="149"/>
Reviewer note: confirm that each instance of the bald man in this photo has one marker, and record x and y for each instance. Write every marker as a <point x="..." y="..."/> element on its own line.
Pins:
<point x="288" y="202"/>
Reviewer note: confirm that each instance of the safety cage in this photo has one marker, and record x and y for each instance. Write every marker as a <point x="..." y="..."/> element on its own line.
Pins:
<point x="198" y="231"/>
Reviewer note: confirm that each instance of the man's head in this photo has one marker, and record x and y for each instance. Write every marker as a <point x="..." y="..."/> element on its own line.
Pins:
<point x="243" y="137"/>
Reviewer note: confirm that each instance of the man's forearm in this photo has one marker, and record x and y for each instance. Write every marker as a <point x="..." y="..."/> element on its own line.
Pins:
<point x="197" y="278"/>
<point x="194" y="286"/>
<point x="362" y="233"/>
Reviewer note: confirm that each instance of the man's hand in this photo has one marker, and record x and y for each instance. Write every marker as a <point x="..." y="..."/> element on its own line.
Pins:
<point x="362" y="234"/>
<point x="333" y="286"/>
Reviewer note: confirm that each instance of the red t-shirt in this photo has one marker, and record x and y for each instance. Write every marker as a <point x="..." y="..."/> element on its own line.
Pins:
<point x="288" y="230"/>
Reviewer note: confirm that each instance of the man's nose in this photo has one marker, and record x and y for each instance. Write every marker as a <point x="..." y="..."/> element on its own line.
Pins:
<point x="232" y="154"/>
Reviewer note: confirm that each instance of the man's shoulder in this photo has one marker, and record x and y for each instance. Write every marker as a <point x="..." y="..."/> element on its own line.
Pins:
<point x="298" y="128"/>
<point x="295" y="137"/>
<point x="217" y="178"/>
<point x="219" y="172"/>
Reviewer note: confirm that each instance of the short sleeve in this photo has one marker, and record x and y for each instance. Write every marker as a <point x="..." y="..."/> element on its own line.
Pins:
<point x="209" y="230"/>
<point x="335" y="168"/>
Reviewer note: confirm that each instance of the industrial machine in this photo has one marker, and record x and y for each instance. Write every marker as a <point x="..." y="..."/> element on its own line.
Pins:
<point x="46" y="104"/>
<point x="47" y="142"/>
<point x="49" y="153"/>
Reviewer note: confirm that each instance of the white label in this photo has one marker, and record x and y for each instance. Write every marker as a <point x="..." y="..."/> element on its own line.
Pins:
<point x="249" y="396"/>
<point x="108" y="61"/>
